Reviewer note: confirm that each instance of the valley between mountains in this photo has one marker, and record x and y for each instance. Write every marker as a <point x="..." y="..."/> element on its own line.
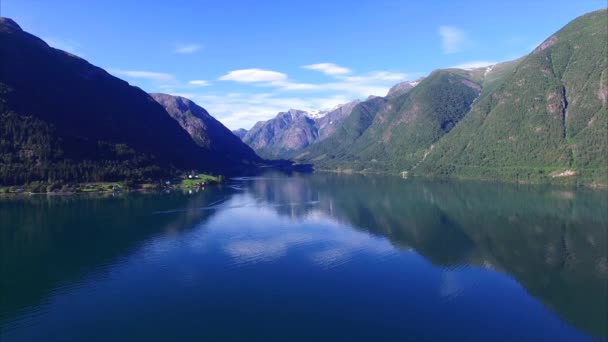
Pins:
<point x="540" y="118"/>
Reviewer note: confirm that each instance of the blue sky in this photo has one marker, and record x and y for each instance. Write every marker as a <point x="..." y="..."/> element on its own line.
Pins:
<point x="245" y="61"/>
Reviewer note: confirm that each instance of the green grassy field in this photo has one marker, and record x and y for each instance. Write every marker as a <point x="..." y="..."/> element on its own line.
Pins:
<point x="93" y="187"/>
<point x="186" y="183"/>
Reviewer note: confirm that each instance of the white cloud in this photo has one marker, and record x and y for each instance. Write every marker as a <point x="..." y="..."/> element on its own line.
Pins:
<point x="377" y="76"/>
<point x="453" y="39"/>
<point x="328" y="68"/>
<point x="188" y="48"/>
<point x="239" y="110"/>
<point x="254" y="76"/>
<point x="354" y="86"/>
<point x="372" y="83"/>
<point x="269" y="92"/>
<point x="329" y="243"/>
<point x="473" y="64"/>
<point x="200" y="83"/>
<point x="150" y="75"/>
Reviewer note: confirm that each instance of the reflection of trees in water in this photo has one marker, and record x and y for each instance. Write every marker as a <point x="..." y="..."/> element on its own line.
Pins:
<point x="552" y="240"/>
<point x="48" y="241"/>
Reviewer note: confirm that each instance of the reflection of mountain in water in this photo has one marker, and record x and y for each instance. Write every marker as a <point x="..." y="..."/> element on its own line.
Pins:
<point x="47" y="242"/>
<point x="552" y="241"/>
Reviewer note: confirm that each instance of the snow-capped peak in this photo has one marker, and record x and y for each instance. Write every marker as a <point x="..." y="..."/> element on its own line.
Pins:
<point x="315" y="114"/>
<point x="488" y="69"/>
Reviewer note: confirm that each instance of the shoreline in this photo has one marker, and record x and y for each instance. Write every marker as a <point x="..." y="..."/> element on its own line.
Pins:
<point x="179" y="183"/>
<point x="573" y="183"/>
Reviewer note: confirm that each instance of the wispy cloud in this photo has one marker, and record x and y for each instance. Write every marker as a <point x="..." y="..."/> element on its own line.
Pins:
<point x="263" y="93"/>
<point x="474" y="64"/>
<point x="188" y="48"/>
<point x="453" y="39"/>
<point x="200" y="83"/>
<point x="149" y="75"/>
<point x="377" y="76"/>
<point x="328" y="68"/>
<point x="363" y="85"/>
<point x="243" y="110"/>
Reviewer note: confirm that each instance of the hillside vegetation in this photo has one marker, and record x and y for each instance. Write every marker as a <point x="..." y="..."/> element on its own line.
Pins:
<point x="542" y="117"/>
<point x="547" y="119"/>
<point x="63" y="119"/>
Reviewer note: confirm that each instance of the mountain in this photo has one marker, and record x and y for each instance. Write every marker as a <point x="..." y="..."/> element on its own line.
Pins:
<point x="205" y="130"/>
<point x="240" y="133"/>
<point x="62" y="118"/>
<point x="402" y="88"/>
<point x="351" y="129"/>
<point x="329" y="123"/>
<point x="279" y="137"/>
<point x="542" y="117"/>
<point x="392" y="133"/>
<point x="547" y="119"/>
<point x="290" y="132"/>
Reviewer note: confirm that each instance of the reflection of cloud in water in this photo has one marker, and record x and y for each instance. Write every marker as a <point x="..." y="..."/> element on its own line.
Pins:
<point x="332" y="257"/>
<point x="328" y="243"/>
<point x="253" y="250"/>
<point x="450" y="286"/>
<point x="160" y="246"/>
<point x="349" y="243"/>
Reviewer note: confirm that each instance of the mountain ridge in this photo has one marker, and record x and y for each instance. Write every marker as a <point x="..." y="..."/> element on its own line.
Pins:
<point x="504" y="132"/>
<point x="205" y="130"/>
<point x="62" y="118"/>
<point x="289" y="132"/>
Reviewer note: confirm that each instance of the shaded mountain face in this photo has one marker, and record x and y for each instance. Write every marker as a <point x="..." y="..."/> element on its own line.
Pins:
<point x="290" y="132"/>
<point x="205" y="130"/>
<point x="62" y="118"/>
<point x="546" y="119"/>
<point x="240" y="132"/>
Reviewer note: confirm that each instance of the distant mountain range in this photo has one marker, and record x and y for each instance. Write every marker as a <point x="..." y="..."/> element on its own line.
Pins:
<point x="290" y="132"/>
<point x="542" y="117"/>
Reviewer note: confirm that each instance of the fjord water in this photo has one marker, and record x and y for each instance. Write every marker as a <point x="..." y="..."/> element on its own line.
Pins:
<point x="309" y="258"/>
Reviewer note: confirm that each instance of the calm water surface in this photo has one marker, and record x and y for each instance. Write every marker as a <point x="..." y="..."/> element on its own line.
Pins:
<point x="308" y="258"/>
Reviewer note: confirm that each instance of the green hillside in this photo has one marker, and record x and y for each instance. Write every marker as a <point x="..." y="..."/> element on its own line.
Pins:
<point x="545" y="121"/>
<point x="335" y="150"/>
<point x="542" y="117"/>
<point x="392" y="135"/>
